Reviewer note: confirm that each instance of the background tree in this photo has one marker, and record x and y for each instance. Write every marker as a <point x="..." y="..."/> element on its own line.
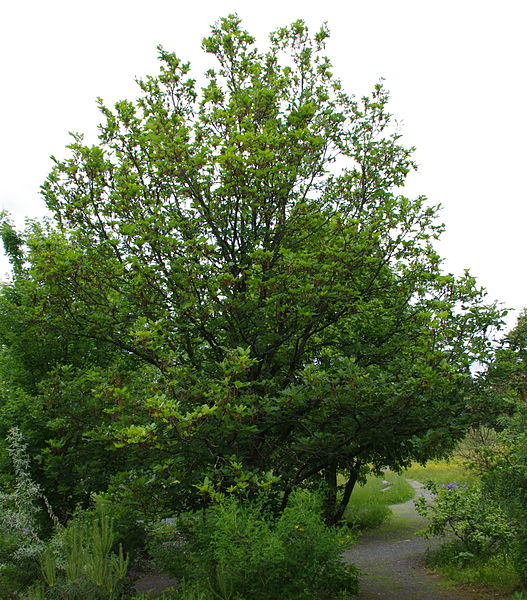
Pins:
<point x="488" y="517"/>
<point x="273" y="309"/>
<point x="505" y="478"/>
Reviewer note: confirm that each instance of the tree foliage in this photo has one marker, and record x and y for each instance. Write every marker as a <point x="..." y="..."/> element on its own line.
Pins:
<point x="261" y="305"/>
<point x="490" y="518"/>
<point x="505" y="479"/>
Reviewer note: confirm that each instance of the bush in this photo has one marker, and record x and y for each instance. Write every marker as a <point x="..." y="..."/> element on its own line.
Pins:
<point x="476" y="521"/>
<point x="78" y="563"/>
<point x="234" y="551"/>
<point x="20" y="522"/>
<point x="128" y="523"/>
<point x="506" y="483"/>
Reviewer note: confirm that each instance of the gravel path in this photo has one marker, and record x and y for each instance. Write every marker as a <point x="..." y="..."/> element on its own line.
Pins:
<point x="391" y="559"/>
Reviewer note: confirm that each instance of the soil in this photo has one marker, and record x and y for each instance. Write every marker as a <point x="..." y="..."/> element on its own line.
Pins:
<point x="154" y="584"/>
<point x="391" y="559"/>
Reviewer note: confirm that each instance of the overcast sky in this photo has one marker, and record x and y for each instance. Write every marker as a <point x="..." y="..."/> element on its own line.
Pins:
<point x="456" y="71"/>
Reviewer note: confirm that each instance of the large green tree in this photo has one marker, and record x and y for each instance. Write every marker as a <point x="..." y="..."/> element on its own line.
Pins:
<point x="245" y="249"/>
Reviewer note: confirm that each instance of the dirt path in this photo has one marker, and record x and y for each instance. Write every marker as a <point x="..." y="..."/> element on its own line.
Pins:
<point x="392" y="560"/>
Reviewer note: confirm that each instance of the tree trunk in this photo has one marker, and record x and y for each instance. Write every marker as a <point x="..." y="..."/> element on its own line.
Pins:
<point x="334" y="508"/>
<point x="353" y="475"/>
<point x="330" y="504"/>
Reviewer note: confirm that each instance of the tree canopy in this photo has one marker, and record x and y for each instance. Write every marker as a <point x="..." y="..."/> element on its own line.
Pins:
<point x="233" y="293"/>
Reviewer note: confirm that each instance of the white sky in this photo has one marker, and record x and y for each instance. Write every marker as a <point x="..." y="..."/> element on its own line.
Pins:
<point x="456" y="70"/>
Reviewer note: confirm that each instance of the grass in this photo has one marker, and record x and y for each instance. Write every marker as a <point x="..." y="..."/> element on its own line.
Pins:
<point x="441" y="472"/>
<point x="495" y="572"/>
<point x="368" y="506"/>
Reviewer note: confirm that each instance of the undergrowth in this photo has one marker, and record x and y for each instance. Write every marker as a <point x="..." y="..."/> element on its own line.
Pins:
<point x="234" y="551"/>
<point x="496" y="572"/>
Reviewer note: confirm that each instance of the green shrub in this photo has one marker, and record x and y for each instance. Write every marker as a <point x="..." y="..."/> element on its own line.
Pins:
<point x="20" y="522"/>
<point x="79" y="564"/>
<point x="128" y="524"/>
<point x="76" y="563"/>
<point x="474" y="519"/>
<point x="506" y="483"/>
<point x="312" y="550"/>
<point x="234" y="551"/>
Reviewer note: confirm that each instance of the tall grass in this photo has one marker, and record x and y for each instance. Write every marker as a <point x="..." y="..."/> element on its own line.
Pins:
<point x="441" y="472"/>
<point x="369" y="505"/>
<point x="496" y="572"/>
